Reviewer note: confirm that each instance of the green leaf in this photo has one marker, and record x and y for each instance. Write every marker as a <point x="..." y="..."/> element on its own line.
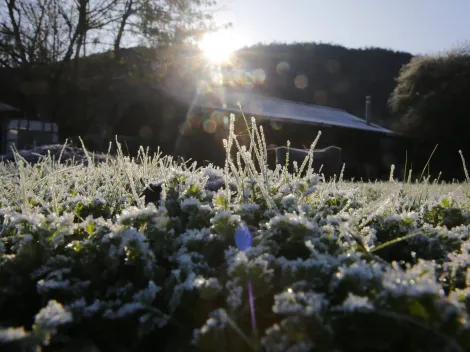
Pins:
<point x="90" y="228"/>
<point x="407" y="221"/>
<point x="417" y="309"/>
<point x="445" y="203"/>
<point x="221" y="201"/>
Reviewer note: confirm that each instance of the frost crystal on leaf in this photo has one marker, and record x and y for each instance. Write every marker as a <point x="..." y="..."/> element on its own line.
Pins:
<point x="12" y="334"/>
<point x="234" y="297"/>
<point x="414" y="282"/>
<point x="52" y="316"/>
<point x="298" y="303"/>
<point x="189" y="203"/>
<point x="354" y="303"/>
<point x="316" y="248"/>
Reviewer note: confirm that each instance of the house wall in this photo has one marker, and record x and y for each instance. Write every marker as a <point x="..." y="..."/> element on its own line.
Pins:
<point x="5" y="116"/>
<point x="366" y="154"/>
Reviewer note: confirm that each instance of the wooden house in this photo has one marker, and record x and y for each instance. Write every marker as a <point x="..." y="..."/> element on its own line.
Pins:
<point x="368" y="150"/>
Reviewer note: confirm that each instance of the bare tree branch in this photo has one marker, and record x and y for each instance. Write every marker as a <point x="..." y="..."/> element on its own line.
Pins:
<point x="11" y="5"/>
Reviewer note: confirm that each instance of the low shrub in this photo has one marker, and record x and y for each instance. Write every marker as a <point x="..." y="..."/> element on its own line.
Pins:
<point x="89" y="261"/>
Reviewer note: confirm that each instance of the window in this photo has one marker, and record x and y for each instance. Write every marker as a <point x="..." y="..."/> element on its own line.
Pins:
<point x="12" y="134"/>
<point x="13" y="124"/>
<point x="23" y="124"/>
<point x="25" y="133"/>
<point x="35" y="125"/>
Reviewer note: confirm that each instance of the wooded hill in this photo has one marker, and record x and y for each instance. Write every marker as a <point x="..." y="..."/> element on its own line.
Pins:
<point x="327" y="74"/>
<point x="323" y="74"/>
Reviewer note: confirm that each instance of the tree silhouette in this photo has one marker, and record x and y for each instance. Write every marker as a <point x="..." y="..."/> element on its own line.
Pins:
<point x="431" y="102"/>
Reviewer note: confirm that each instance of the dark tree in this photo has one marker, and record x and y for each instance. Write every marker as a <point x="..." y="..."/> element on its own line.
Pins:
<point x="432" y="105"/>
<point x="45" y="41"/>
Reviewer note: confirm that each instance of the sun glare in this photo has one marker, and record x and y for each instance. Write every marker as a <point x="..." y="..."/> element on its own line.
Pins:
<point x="218" y="47"/>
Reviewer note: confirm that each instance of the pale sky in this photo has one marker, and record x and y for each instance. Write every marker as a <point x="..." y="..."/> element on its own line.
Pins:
<point x="416" y="26"/>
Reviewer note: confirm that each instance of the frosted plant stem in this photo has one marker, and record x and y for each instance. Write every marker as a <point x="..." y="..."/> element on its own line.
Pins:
<point x="464" y="167"/>
<point x="252" y="308"/>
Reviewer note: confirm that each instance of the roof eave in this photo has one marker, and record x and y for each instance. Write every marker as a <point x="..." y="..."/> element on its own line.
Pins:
<point x="378" y="129"/>
<point x="7" y="108"/>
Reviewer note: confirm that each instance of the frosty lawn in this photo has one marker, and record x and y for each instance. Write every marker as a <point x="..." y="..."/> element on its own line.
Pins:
<point x="334" y="266"/>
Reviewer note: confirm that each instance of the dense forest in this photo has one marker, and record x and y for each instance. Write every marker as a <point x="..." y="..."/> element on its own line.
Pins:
<point x="326" y="74"/>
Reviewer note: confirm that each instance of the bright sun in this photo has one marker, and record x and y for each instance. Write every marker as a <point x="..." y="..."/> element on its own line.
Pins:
<point x="218" y="46"/>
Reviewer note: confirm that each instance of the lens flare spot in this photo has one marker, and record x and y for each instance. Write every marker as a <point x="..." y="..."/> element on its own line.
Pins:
<point x="238" y="77"/>
<point x="249" y="80"/>
<point x="282" y="67"/>
<point x="226" y="121"/>
<point x="204" y="88"/>
<point x="217" y="117"/>
<point x="301" y="81"/>
<point x="320" y="97"/>
<point x="185" y="128"/>
<point x="276" y="126"/>
<point x="217" y="78"/>
<point x="259" y="75"/>
<point x="194" y="122"/>
<point x="333" y="66"/>
<point x="243" y="238"/>
<point x="210" y="126"/>
<point x="341" y="87"/>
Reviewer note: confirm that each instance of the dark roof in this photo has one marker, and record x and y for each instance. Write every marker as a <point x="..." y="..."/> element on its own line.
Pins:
<point x="262" y="106"/>
<point x="5" y="108"/>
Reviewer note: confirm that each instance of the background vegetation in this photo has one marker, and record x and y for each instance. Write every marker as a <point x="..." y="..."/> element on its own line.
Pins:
<point x="90" y="260"/>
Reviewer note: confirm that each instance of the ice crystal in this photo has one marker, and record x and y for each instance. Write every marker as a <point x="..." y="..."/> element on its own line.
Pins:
<point x="315" y="248"/>
<point x="298" y="303"/>
<point x="354" y="303"/>
<point x="52" y="316"/>
<point x="12" y="334"/>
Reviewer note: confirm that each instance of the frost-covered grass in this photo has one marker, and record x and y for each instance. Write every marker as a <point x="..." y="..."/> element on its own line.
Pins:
<point x="86" y="264"/>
